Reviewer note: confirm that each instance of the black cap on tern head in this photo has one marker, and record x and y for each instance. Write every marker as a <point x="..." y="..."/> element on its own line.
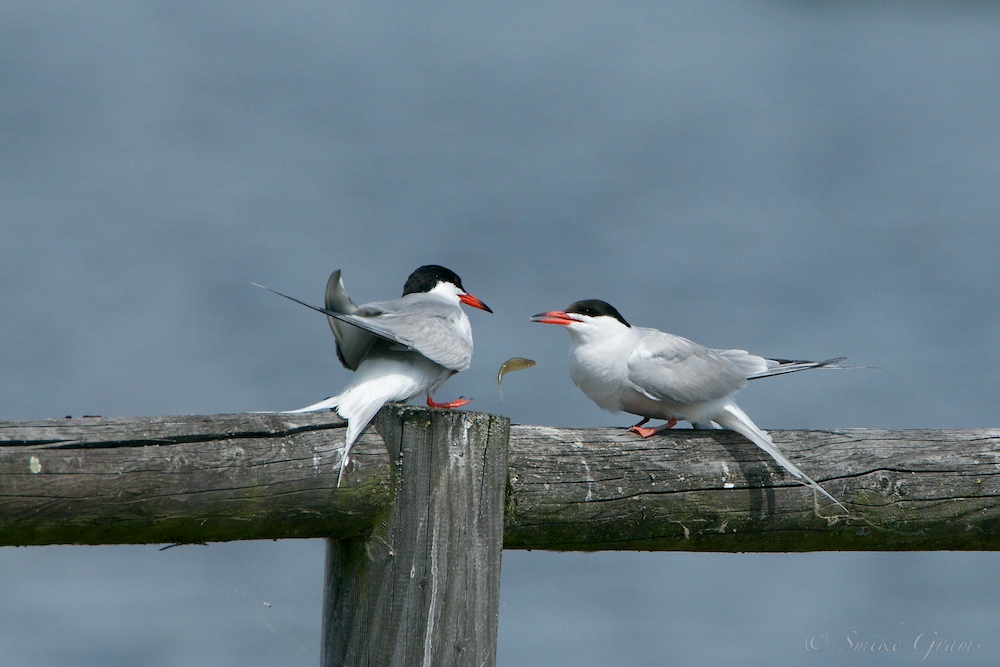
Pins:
<point x="428" y="276"/>
<point x="596" y="308"/>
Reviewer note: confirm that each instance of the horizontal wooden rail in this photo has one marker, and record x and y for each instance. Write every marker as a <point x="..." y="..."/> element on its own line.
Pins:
<point x="185" y="479"/>
<point x="686" y="490"/>
<point x="257" y="476"/>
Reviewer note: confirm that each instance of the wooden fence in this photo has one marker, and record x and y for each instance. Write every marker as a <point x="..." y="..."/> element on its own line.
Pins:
<point x="416" y="530"/>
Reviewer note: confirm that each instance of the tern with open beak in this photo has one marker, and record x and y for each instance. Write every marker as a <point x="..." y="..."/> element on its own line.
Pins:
<point x="397" y="349"/>
<point x="657" y="375"/>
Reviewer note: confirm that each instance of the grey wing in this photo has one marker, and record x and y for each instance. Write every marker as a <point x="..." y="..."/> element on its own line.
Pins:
<point x="749" y="364"/>
<point x="755" y="367"/>
<point x="670" y="368"/>
<point x="430" y="328"/>
<point x="352" y="342"/>
<point x="783" y="366"/>
<point x="438" y="331"/>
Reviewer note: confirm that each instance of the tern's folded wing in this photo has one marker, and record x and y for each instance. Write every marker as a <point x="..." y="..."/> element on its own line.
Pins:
<point x="670" y="368"/>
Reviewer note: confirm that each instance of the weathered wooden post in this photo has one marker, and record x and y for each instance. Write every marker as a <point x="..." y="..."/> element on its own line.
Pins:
<point x="422" y="587"/>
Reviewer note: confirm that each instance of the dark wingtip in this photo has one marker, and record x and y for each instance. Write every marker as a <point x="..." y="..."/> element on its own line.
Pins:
<point x="298" y="301"/>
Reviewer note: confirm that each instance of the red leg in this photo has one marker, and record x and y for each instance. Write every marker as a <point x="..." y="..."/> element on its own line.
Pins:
<point x="449" y="405"/>
<point x="647" y="432"/>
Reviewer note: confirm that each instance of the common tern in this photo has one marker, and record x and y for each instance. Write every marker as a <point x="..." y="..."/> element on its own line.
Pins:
<point x="657" y="375"/>
<point x="397" y="349"/>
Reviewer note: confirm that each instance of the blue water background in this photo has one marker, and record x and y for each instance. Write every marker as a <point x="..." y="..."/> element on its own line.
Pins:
<point x="800" y="179"/>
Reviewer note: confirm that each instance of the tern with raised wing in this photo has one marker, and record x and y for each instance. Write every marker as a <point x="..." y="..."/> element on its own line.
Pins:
<point x="657" y="375"/>
<point x="398" y="349"/>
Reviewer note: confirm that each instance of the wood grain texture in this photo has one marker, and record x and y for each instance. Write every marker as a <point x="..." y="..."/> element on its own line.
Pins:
<point x="185" y="479"/>
<point x="422" y="588"/>
<point x="686" y="490"/>
<point x="264" y="476"/>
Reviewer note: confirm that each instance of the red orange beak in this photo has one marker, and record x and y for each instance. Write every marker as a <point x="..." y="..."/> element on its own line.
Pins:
<point x="554" y="317"/>
<point x="470" y="300"/>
